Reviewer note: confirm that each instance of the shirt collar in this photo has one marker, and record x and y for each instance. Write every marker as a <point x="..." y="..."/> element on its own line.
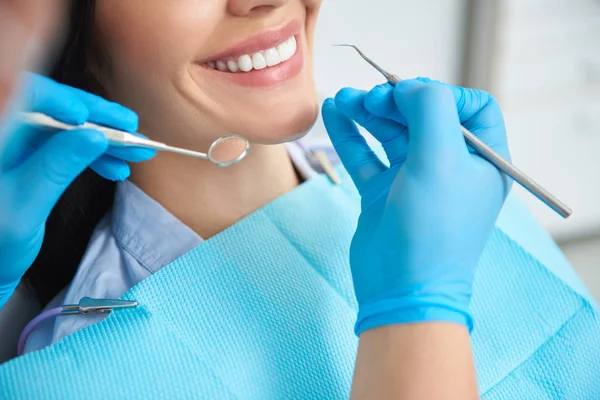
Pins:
<point x="154" y="236"/>
<point x="147" y="231"/>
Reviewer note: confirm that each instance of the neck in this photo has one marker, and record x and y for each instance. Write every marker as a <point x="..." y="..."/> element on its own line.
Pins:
<point x="208" y="198"/>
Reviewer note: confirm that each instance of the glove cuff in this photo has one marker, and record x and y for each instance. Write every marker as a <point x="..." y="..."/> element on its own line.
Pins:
<point x="407" y="311"/>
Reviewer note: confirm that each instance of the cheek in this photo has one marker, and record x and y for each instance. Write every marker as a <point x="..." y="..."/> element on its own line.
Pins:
<point x="155" y="37"/>
<point x="315" y="4"/>
<point x="313" y="7"/>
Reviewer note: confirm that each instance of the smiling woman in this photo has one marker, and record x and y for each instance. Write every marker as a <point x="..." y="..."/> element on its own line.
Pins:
<point x="158" y="59"/>
<point x="193" y="71"/>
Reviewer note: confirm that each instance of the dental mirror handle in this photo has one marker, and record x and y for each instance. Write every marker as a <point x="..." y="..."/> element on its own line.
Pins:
<point x="115" y="137"/>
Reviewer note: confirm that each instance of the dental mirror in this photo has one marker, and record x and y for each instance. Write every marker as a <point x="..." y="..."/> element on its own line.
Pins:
<point x="228" y="150"/>
<point x="223" y="152"/>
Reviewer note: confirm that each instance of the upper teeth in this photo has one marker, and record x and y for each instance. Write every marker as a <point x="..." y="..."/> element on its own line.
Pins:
<point x="259" y="60"/>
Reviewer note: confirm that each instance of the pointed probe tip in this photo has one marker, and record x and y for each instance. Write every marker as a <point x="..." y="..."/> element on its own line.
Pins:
<point x="353" y="46"/>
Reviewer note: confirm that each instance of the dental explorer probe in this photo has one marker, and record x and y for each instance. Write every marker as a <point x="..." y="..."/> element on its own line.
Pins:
<point x="119" y="138"/>
<point x="488" y="153"/>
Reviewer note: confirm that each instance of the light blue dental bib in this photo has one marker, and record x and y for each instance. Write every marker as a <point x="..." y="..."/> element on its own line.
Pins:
<point x="265" y="310"/>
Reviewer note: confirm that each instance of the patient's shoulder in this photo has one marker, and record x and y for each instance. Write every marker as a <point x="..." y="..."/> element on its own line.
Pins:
<point x="107" y="270"/>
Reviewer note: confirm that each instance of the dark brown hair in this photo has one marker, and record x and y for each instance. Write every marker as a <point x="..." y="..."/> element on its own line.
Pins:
<point x="87" y="200"/>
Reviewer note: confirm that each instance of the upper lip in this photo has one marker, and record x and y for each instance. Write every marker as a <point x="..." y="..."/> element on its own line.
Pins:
<point x="262" y="41"/>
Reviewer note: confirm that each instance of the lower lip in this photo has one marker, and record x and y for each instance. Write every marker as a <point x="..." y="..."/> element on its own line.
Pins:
<point x="268" y="76"/>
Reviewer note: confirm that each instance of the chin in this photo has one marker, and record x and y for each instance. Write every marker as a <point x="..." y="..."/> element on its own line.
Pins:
<point x="283" y="122"/>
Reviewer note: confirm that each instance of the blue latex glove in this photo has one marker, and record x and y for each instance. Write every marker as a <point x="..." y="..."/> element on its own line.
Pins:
<point x="425" y="220"/>
<point x="36" y="166"/>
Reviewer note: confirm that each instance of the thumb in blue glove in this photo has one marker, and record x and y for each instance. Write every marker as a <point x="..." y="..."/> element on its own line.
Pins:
<point x="426" y="218"/>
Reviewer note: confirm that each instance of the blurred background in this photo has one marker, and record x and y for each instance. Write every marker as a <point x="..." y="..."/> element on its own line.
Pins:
<point x="540" y="59"/>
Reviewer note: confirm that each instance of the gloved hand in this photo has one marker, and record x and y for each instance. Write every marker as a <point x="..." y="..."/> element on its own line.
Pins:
<point x="426" y="219"/>
<point x="36" y="167"/>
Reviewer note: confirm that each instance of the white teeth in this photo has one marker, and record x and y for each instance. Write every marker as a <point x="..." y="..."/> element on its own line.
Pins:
<point x="222" y="66"/>
<point x="245" y="63"/>
<point x="287" y="49"/>
<point x="233" y="66"/>
<point x="259" y="60"/>
<point x="272" y="57"/>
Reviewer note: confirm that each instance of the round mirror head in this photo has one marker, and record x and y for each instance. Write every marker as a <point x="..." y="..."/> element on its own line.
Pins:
<point x="228" y="150"/>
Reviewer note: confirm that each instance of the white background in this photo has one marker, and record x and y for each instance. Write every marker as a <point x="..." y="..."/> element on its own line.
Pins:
<point x="547" y="77"/>
<point x="411" y="38"/>
<point x="408" y="38"/>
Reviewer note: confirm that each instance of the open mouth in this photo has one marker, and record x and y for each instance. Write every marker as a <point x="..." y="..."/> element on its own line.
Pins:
<point x="259" y="60"/>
